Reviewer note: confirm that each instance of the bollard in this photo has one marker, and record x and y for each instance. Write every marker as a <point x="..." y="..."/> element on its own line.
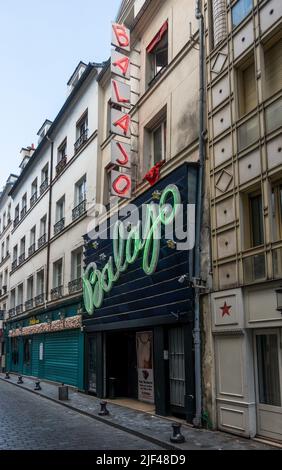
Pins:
<point x="177" y="437"/>
<point x="63" y="392"/>
<point x="20" y="380"/>
<point x="104" y="411"/>
<point x="37" y="386"/>
<point x="7" y="376"/>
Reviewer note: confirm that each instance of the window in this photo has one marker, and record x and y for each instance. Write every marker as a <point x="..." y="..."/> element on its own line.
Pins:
<point x="248" y="133"/>
<point x="29" y="292"/>
<point x="40" y="282"/>
<point x="253" y="219"/>
<point x="6" y="277"/>
<point x="17" y="212"/>
<point x="7" y="245"/>
<point x="9" y="214"/>
<point x="4" y="220"/>
<point x="268" y="369"/>
<point x="2" y="251"/>
<point x="24" y="205"/>
<point x="277" y="211"/>
<point x="43" y="225"/>
<point x="13" y="298"/>
<point x="80" y="191"/>
<point x="45" y="173"/>
<point x="157" y="52"/>
<point x="62" y="151"/>
<point x="246" y="88"/>
<point x="81" y="131"/>
<point x="273" y="69"/>
<point x="22" y="246"/>
<point x="76" y="264"/>
<point x="273" y="116"/>
<point x="20" y="294"/>
<point x="34" y="187"/>
<point x="60" y="209"/>
<point x="240" y="10"/>
<point x="159" y="143"/>
<point x="58" y="273"/>
<point x="15" y="253"/>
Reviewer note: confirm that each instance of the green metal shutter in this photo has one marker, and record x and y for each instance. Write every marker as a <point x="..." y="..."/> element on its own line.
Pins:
<point x="36" y="340"/>
<point x="61" y="357"/>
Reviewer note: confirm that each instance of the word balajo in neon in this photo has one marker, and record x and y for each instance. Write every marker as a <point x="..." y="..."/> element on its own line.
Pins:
<point x="127" y="249"/>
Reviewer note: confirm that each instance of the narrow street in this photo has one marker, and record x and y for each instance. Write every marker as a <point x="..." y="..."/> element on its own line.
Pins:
<point x="30" y="422"/>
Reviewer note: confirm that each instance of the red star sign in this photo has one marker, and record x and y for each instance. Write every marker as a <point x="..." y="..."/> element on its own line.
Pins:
<point x="225" y="309"/>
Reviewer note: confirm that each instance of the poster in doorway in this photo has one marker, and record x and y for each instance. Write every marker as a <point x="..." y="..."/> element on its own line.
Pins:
<point x="144" y="345"/>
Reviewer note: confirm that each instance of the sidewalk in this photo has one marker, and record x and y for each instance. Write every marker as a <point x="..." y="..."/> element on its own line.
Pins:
<point x="147" y="426"/>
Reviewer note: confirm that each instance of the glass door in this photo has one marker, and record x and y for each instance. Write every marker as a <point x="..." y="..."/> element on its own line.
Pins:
<point x="269" y="383"/>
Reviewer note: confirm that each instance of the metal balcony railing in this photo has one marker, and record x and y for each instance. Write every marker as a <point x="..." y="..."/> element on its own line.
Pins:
<point x="61" y="165"/>
<point x="39" y="300"/>
<point x="44" y="186"/>
<point x="31" y="249"/>
<point x="14" y="264"/>
<point x="12" y="312"/>
<point x="81" y="140"/>
<point x="57" y="293"/>
<point x="16" y="221"/>
<point x="21" y="258"/>
<point x="42" y="240"/>
<point x="59" y="226"/>
<point x="19" y="309"/>
<point x="79" y="210"/>
<point x="75" y="285"/>
<point x="29" y="304"/>
<point x="33" y="199"/>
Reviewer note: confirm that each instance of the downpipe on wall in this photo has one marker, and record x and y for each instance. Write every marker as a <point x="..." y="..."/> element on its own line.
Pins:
<point x="199" y="217"/>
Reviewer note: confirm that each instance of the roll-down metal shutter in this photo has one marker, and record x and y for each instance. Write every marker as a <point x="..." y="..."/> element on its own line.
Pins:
<point x="61" y="357"/>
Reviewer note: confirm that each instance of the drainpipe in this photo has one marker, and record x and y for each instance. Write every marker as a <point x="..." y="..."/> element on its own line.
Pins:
<point x="199" y="214"/>
<point x="49" y="218"/>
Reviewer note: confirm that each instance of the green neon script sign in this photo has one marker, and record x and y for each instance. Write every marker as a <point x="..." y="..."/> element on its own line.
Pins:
<point x="127" y="249"/>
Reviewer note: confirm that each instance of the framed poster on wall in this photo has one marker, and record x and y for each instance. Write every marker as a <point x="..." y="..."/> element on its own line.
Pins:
<point x="144" y="346"/>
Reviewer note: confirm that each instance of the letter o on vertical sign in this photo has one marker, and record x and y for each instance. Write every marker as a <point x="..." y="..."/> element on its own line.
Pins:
<point x="121" y="184"/>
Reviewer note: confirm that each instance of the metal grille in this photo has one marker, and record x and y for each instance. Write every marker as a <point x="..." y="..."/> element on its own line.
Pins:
<point x="176" y="367"/>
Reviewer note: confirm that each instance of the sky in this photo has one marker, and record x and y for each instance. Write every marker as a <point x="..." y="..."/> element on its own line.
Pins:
<point x="41" y="43"/>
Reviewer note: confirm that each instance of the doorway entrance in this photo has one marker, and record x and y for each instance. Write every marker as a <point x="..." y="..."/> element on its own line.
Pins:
<point x="121" y="366"/>
<point x="268" y="357"/>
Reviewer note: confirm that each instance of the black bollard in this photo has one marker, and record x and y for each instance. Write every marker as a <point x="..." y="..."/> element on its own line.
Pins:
<point x="63" y="392"/>
<point x="7" y="376"/>
<point x="37" y="386"/>
<point x="177" y="437"/>
<point x="20" y="380"/>
<point x="104" y="411"/>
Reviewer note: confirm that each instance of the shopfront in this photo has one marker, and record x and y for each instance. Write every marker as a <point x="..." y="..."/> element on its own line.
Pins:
<point x="139" y="341"/>
<point x="48" y="346"/>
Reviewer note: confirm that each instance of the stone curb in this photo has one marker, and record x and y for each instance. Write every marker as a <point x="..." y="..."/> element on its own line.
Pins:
<point x="165" y="445"/>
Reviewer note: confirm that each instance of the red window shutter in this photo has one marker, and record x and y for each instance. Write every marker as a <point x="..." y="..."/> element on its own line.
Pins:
<point x="157" y="38"/>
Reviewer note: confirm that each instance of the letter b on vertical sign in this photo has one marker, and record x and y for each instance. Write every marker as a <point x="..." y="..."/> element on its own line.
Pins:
<point x="120" y="37"/>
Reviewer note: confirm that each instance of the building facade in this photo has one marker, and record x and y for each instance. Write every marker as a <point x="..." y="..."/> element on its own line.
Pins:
<point x="5" y="264"/>
<point x="244" y="84"/>
<point x="51" y="197"/>
<point x="142" y="310"/>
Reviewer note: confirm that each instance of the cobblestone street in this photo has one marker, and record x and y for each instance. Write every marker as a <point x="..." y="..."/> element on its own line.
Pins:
<point x="30" y="422"/>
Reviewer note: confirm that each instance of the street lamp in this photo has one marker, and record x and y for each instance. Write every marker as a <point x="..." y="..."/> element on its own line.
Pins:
<point x="279" y="299"/>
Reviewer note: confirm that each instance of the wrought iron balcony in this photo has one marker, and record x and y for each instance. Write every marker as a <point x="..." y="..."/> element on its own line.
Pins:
<point x="12" y="312"/>
<point x="44" y="186"/>
<point x="57" y="292"/>
<point x="79" y="210"/>
<point x="61" y="165"/>
<point x="39" y="300"/>
<point x="29" y="304"/>
<point x="16" y="221"/>
<point x="59" y="226"/>
<point x="14" y="264"/>
<point x="23" y="212"/>
<point x="19" y="309"/>
<point x="31" y="249"/>
<point x="21" y="258"/>
<point x="81" y="140"/>
<point x="33" y="199"/>
<point x="42" y="240"/>
<point x="75" y="286"/>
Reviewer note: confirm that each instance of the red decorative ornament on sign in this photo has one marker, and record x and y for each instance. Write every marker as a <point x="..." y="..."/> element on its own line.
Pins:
<point x="153" y="175"/>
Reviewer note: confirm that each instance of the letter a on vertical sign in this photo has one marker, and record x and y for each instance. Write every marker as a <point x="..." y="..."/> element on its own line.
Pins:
<point x="120" y="37"/>
<point x="121" y="184"/>
<point x="120" y="123"/>
<point x="121" y="153"/>
<point x="121" y="93"/>
<point x="120" y="65"/>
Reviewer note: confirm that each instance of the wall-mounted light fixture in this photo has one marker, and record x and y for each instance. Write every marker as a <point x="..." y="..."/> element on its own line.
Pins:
<point x="171" y="244"/>
<point x="157" y="195"/>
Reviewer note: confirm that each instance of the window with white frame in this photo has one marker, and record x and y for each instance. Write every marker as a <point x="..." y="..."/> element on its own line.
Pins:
<point x="157" y="53"/>
<point x="43" y="225"/>
<point x="29" y="292"/>
<point x="40" y="282"/>
<point x="80" y="191"/>
<point x="76" y="264"/>
<point x="60" y="209"/>
<point x="62" y="150"/>
<point x="45" y="173"/>
<point x="58" y="273"/>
